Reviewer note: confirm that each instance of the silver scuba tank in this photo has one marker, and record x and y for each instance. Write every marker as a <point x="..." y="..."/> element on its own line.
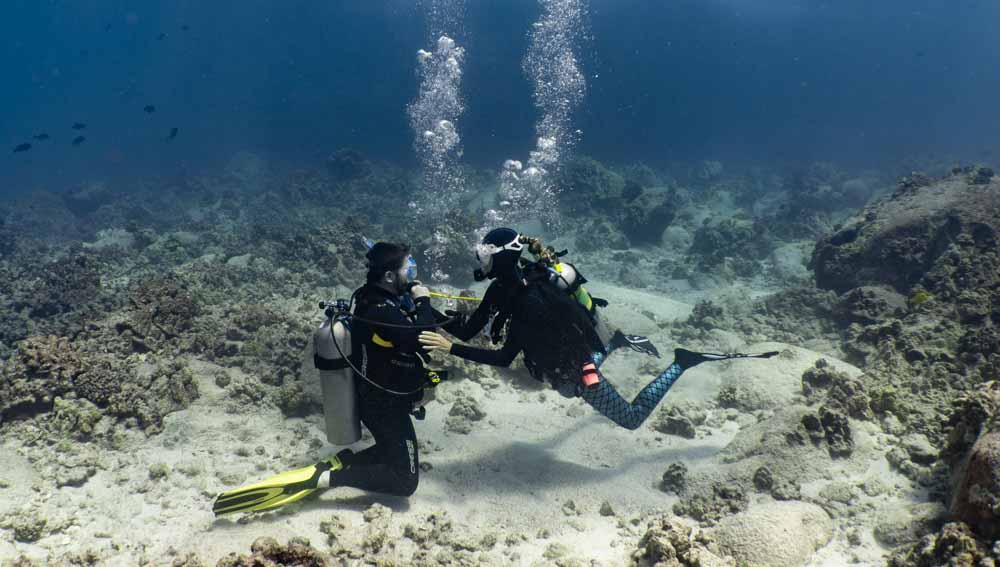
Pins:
<point x="565" y="276"/>
<point x="340" y="404"/>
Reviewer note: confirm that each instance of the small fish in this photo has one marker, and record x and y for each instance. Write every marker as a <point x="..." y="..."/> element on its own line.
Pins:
<point x="149" y="109"/>
<point x="107" y="26"/>
<point x="79" y="140"/>
<point x="41" y="137"/>
<point x="79" y="126"/>
<point x="185" y="27"/>
<point x="921" y="54"/>
<point x="173" y="134"/>
<point x="162" y="36"/>
<point x="22" y="148"/>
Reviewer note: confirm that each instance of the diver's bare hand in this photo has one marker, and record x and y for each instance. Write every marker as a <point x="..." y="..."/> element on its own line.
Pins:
<point x="417" y="291"/>
<point x="434" y="342"/>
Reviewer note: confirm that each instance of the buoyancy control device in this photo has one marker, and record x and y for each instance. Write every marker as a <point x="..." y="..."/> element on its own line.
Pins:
<point x="566" y="277"/>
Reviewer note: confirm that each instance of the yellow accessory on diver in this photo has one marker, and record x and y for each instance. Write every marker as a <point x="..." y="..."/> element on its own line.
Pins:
<point x="455" y="297"/>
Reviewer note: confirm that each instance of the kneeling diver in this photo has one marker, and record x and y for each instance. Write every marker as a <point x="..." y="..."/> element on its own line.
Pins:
<point x="390" y="377"/>
<point x="558" y="338"/>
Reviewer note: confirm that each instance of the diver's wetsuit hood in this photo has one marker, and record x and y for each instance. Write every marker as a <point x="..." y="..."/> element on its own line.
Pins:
<point x="499" y="255"/>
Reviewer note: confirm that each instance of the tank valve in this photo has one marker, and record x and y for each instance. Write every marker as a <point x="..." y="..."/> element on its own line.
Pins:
<point x="335" y="307"/>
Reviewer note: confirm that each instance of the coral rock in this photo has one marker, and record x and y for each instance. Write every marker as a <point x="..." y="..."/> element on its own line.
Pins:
<point x="977" y="498"/>
<point x="671" y="542"/>
<point x="779" y="534"/>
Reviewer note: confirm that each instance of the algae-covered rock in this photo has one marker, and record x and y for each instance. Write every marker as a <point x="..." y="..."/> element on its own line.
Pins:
<point x="267" y="551"/>
<point x="955" y="544"/>
<point x="832" y="427"/>
<point x="161" y="309"/>
<point x="463" y="413"/>
<point x="977" y="497"/>
<point x="591" y="186"/>
<point x="648" y="214"/>
<point x="47" y="368"/>
<point x="674" y="478"/>
<point x="736" y="239"/>
<point x="167" y="388"/>
<point x="721" y="500"/>
<point x="27" y="528"/>
<point x="778" y="534"/>
<point x="902" y="525"/>
<point x="672" y="542"/>
<point x="600" y="234"/>
<point x="823" y="383"/>
<point x="942" y="236"/>
<point x="75" y="418"/>
<point x="294" y="401"/>
<point x="61" y="286"/>
<point x="674" y="423"/>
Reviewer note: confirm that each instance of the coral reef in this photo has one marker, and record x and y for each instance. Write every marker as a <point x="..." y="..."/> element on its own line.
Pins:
<point x="213" y="280"/>
<point x="46" y="369"/>
<point x="161" y="309"/>
<point x="62" y="285"/>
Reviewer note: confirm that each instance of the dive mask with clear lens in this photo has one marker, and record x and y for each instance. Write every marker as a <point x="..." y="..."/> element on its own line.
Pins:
<point x="485" y="252"/>
<point x="411" y="269"/>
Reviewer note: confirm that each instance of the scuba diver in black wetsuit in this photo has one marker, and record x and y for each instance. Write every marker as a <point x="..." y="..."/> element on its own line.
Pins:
<point x="388" y="365"/>
<point x="499" y="257"/>
<point x="392" y="373"/>
<point x="556" y="333"/>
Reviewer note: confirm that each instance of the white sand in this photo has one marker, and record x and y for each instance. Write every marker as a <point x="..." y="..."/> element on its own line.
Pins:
<point x="513" y="474"/>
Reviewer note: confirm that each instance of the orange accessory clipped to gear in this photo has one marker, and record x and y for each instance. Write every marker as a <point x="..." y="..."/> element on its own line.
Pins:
<point x="590" y="375"/>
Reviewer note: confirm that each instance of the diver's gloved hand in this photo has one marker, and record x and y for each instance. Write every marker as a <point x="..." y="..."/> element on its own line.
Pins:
<point x="455" y="316"/>
<point x="432" y="342"/>
<point x="417" y="290"/>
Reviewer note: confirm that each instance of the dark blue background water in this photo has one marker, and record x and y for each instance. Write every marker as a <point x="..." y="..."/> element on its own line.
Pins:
<point x="738" y="80"/>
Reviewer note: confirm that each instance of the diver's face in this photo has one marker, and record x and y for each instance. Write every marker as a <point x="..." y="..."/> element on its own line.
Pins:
<point x="402" y="277"/>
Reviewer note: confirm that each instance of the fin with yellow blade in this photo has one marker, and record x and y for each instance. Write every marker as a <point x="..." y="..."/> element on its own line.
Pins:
<point x="276" y="491"/>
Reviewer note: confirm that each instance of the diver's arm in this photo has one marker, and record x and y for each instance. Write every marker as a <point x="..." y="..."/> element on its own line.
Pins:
<point x="503" y="357"/>
<point x="465" y="330"/>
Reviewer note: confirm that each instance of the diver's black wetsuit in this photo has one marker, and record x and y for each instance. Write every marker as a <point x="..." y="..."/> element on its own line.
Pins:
<point x="527" y="315"/>
<point x="497" y="294"/>
<point x="389" y="357"/>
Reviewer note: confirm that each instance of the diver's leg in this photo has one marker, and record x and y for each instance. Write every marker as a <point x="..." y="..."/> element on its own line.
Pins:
<point x="600" y="357"/>
<point x="392" y="465"/>
<point x="602" y="395"/>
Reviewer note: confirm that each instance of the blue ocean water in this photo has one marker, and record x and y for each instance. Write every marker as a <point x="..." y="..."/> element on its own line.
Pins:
<point x="736" y="80"/>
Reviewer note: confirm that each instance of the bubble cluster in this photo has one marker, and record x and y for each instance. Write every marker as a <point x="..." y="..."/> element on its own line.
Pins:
<point x="444" y="16"/>
<point x="433" y="116"/>
<point x="559" y="87"/>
